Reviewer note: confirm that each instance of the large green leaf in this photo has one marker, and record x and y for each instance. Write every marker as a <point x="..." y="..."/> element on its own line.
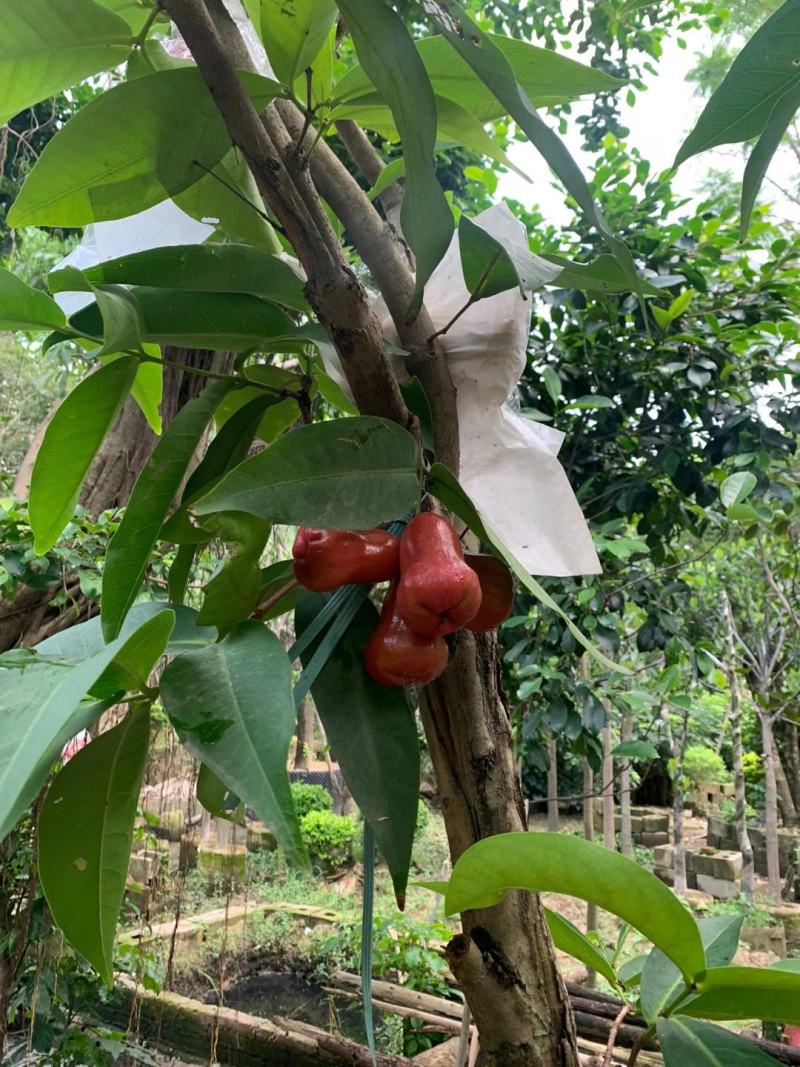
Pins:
<point x="567" y="937"/>
<point x="130" y="547"/>
<point x="85" y="835"/>
<point x="760" y="158"/>
<point x="293" y="32"/>
<point x="79" y="642"/>
<point x="221" y="321"/>
<point x="446" y="487"/>
<point x="490" y="267"/>
<point x="346" y="473"/>
<point x="279" y="414"/>
<point x="392" y="62"/>
<point x="761" y="75"/>
<point x="747" y="993"/>
<point x="228" y="198"/>
<point x="24" y="308"/>
<point x="232" y="706"/>
<point x="691" y="1043"/>
<point x="218" y="268"/>
<point x="70" y="443"/>
<point x="555" y="863"/>
<point x="130" y="148"/>
<point x="49" y="45"/>
<point x="603" y="274"/>
<point x="372" y="734"/>
<point x="233" y="593"/>
<point x="547" y="77"/>
<point x="662" y="982"/>
<point x="148" y="389"/>
<point x="40" y="709"/>
<point x="216" y="798"/>
<point x="491" y="65"/>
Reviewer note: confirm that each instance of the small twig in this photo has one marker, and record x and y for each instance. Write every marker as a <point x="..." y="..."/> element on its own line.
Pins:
<point x="141" y="37"/>
<point x="239" y="193"/>
<point x="452" y="321"/>
<point x="612" y="1034"/>
<point x="641" y="1041"/>
<point x="275" y="598"/>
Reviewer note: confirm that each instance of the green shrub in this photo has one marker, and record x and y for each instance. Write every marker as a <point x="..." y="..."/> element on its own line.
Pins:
<point x="704" y="765"/>
<point x="328" y="838"/>
<point x="753" y="767"/>
<point x="309" y="797"/>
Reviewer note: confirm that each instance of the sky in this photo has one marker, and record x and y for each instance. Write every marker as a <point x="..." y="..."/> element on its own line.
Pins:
<point x="658" y="123"/>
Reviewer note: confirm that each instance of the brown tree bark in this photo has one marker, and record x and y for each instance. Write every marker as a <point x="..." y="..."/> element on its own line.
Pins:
<point x="553" y="822"/>
<point x="770" y="806"/>
<point x="791" y="749"/>
<point x="304" y="749"/>
<point x="785" y="797"/>
<point x="588" y="833"/>
<point x="609" y="832"/>
<point x="626" y="831"/>
<point x="735" y="719"/>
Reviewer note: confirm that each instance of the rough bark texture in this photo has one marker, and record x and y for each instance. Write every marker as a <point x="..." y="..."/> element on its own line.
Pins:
<point x="503" y="959"/>
<point x="770" y="807"/>
<point x="735" y="719"/>
<point x="304" y="748"/>
<point x="609" y="835"/>
<point x="626" y="832"/>
<point x="552" y="785"/>
<point x="785" y="797"/>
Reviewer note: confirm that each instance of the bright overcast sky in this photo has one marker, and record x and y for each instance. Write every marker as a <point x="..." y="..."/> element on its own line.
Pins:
<point x="658" y="123"/>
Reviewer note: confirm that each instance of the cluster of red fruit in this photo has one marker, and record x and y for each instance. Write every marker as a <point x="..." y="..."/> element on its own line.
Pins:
<point x="435" y="590"/>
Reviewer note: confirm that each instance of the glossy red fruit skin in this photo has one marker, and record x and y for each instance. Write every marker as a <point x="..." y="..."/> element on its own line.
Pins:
<point x="326" y="559"/>
<point x="437" y="593"/>
<point x="395" y="655"/>
<point x="497" y="588"/>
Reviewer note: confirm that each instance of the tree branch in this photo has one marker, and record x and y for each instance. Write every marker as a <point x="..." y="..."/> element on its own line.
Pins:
<point x="371" y="166"/>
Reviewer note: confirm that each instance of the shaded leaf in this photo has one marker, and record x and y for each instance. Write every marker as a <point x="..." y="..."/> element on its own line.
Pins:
<point x="636" y="750"/>
<point x="293" y="32"/>
<point x="216" y="798"/>
<point x="568" y="938"/>
<point x="85" y="836"/>
<point x="688" y="1041"/>
<point x="232" y="594"/>
<point x="747" y="993"/>
<point x="25" y="308"/>
<point x="760" y="158"/>
<point x="491" y="267"/>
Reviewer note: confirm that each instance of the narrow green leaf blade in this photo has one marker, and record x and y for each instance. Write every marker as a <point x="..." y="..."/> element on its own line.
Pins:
<point x="85" y="835"/>
<point x="686" y="1042"/>
<point x="747" y="993"/>
<point x="70" y="443"/>
<point x="372" y="734"/>
<point x="49" y="45"/>
<point x="347" y="473"/>
<point x="25" y="308"/>
<point x="155" y="489"/>
<point x="231" y="704"/>
<point x="79" y="642"/>
<point x="555" y="863"/>
<point x="392" y="62"/>
<point x="765" y="148"/>
<point x="568" y="938"/>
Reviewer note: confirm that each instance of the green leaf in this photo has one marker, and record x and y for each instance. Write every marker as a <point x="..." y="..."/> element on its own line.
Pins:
<point x="293" y="32"/>
<point x="392" y="172"/>
<point x="148" y="389"/>
<point x="50" y="45"/>
<point x="279" y="413"/>
<point x="552" y="383"/>
<point x="25" y="308"/>
<point x="591" y="402"/>
<point x="135" y="12"/>
<point x="443" y="485"/>
<point x="41" y="708"/>
<point x="743" y="513"/>
<point x="233" y="593"/>
<point x="349" y="473"/>
<point x="122" y="324"/>
<point x="217" y="268"/>
<point x="390" y="59"/>
<point x="760" y="158"/>
<point x="662" y="981"/>
<point x="686" y="1042"/>
<point x="737" y="487"/>
<point x="603" y="274"/>
<point x="231" y="704"/>
<point x="129" y="148"/>
<point x="221" y="321"/>
<point x="747" y="993"/>
<point x="568" y="938"/>
<point x="493" y="68"/>
<point x="635" y="5"/>
<point x="555" y="863"/>
<point x="149" y="57"/>
<point x="70" y="443"/>
<point x="373" y="735"/>
<point x="79" y="642"/>
<point x="276" y="579"/>
<point x="85" y="836"/>
<point x="216" y="798"/>
<point x="228" y="198"/>
<point x="130" y="547"/>
<point x="636" y="750"/>
<point x="547" y="77"/>
<point x="761" y="75"/>
<point x="490" y="268"/>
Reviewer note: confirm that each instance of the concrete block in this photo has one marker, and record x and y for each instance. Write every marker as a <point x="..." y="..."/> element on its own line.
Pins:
<point x="260" y="838"/>
<point x="652" y="840"/>
<point x="789" y="915"/>
<point x="727" y="865"/>
<point x="222" y="863"/>
<point x="720" y="888"/>
<point x="143" y="867"/>
<point x="765" y="939"/>
<point x="666" y="874"/>
<point x="697" y="899"/>
<point x="655" y="824"/>
<point x="636" y="825"/>
<point x="664" y="856"/>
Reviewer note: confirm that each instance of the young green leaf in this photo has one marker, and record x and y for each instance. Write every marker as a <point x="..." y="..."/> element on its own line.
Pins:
<point x="737" y="487"/>
<point x="747" y="993"/>
<point x="554" y="863"/>
<point x="691" y="1043"/>
<point x="85" y="835"/>
<point x="70" y="443"/>
<point x="761" y="75"/>
<point x="122" y="323"/>
<point x="568" y="938"/>
<point x="490" y="267"/>
<point x="207" y="268"/>
<point x="293" y="32"/>
<point x="232" y="594"/>
<point x="347" y="473"/>
<point x="216" y="798"/>
<point x="50" y="45"/>
<point x="373" y="735"/>
<point x="129" y="148"/>
<point x="390" y="59"/>
<point x="148" y="389"/>
<point x="231" y="704"/>
<point x="130" y="547"/>
<point x="41" y="708"/>
<point x="25" y="308"/>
